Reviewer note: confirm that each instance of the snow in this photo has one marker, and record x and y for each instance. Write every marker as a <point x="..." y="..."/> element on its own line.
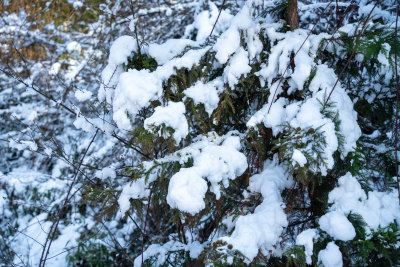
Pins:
<point x="274" y="119"/>
<point x="134" y="190"/>
<point x="35" y="233"/>
<point x="73" y="46"/>
<point x="238" y="66"/>
<point x="83" y="95"/>
<point x="299" y="158"/>
<point x="263" y="228"/>
<point x="76" y="3"/>
<point x="337" y="226"/>
<point x="134" y="91"/>
<point x="306" y="239"/>
<point x="227" y="44"/>
<point x="206" y="94"/>
<point x="216" y="162"/>
<point x="138" y="188"/>
<point x="136" y="88"/>
<point x="304" y="64"/>
<point x="160" y="251"/>
<point x="229" y="41"/>
<point x="81" y="123"/>
<point x="310" y="115"/>
<point x="331" y="256"/>
<point x="121" y="49"/>
<point x="23" y="144"/>
<point x="32" y="229"/>
<point x="217" y="157"/>
<point x="163" y="53"/>
<point x="172" y="115"/>
<point x="186" y="191"/>
<point x="378" y="209"/>
<point x="107" y="172"/>
<point x="205" y="21"/>
<point x="279" y="58"/>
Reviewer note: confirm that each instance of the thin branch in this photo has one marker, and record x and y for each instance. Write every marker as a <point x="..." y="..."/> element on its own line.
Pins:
<point x="219" y="14"/>
<point x="352" y="54"/>
<point x="145" y="222"/>
<point x="292" y="60"/>
<point x="53" y="229"/>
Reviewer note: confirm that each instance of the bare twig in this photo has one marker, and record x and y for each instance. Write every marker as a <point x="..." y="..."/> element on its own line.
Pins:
<point x="53" y="229"/>
<point x="219" y="14"/>
<point x="145" y="222"/>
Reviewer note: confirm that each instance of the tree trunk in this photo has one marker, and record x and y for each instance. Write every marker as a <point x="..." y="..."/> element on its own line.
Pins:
<point x="292" y="15"/>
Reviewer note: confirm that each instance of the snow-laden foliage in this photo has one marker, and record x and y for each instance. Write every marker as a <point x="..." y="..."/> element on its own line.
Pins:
<point x="236" y="140"/>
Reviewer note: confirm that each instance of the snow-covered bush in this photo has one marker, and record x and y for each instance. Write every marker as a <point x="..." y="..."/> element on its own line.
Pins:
<point x="243" y="134"/>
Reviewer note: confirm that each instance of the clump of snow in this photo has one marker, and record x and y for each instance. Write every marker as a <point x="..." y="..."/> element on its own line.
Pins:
<point x="215" y="158"/>
<point x="186" y="191"/>
<point x="274" y="119"/>
<point x="305" y="239"/>
<point x="195" y="249"/>
<point x="337" y="226"/>
<point x="280" y="57"/>
<point x="217" y="163"/>
<point x="227" y="44"/>
<point x="76" y="3"/>
<point x="134" y="91"/>
<point x="82" y="123"/>
<point x="162" y="53"/>
<point x="262" y="229"/>
<point x="137" y="189"/>
<point x="331" y="256"/>
<point x="172" y="115"/>
<point x="83" y="95"/>
<point x="121" y="49"/>
<point x="238" y="66"/>
<point x="206" y="94"/>
<point x="310" y="115"/>
<point x="73" y="46"/>
<point x="299" y="158"/>
<point x="325" y="79"/>
<point x="107" y="172"/>
<point x="378" y="209"/>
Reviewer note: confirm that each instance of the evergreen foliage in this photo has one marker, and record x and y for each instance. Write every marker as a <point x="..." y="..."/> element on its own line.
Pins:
<point x="242" y="146"/>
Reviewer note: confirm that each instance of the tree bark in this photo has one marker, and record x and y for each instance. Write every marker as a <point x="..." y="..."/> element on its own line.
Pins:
<point x="292" y="15"/>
